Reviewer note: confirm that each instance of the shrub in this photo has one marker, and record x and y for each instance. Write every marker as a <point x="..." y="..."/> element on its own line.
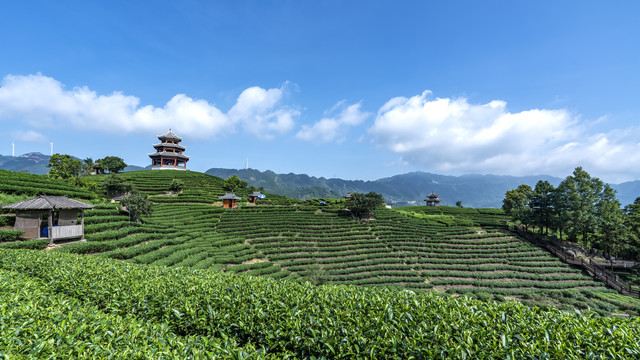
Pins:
<point x="10" y="235"/>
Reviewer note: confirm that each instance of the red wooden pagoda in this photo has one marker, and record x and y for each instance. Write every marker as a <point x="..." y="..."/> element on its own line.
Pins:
<point x="168" y="153"/>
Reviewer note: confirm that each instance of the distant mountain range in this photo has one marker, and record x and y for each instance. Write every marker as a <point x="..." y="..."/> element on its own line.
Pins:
<point x="403" y="190"/>
<point x="406" y="189"/>
<point x="34" y="163"/>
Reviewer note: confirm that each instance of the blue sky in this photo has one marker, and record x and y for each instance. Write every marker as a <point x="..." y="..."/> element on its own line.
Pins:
<point x="352" y="89"/>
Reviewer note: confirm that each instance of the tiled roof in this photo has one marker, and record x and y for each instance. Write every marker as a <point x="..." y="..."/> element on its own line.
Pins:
<point x="169" y="135"/>
<point x="168" y="154"/>
<point x="169" y="145"/>
<point x="45" y="202"/>
<point x="229" y="196"/>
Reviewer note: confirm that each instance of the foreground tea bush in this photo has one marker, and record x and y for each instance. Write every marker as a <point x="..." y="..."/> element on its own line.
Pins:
<point x="290" y="319"/>
<point x="37" y="323"/>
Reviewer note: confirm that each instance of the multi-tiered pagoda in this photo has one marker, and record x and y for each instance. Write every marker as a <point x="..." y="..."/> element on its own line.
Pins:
<point x="168" y="153"/>
<point x="432" y="200"/>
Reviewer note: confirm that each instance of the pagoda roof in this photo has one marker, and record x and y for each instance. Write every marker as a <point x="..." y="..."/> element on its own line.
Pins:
<point x="169" y="145"/>
<point x="46" y="202"/>
<point x="169" y="135"/>
<point x="229" y="196"/>
<point x="255" y="193"/>
<point x="432" y="196"/>
<point x="168" y="154"/>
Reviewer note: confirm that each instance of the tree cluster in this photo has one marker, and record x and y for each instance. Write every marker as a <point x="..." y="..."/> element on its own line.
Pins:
<point x="137" y="204"/>
<point x="582" y="208"/>
<point x="115" y="185"/>
<point x="112" y="164"/>
<point x="234" y="183"/>
<point x="65" y="167"/>
<point x="363" y="206"/>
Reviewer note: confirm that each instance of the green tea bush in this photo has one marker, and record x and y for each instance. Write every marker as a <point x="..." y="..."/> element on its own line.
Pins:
<point x="291" y="319"/>
<point x="10" y="235"/>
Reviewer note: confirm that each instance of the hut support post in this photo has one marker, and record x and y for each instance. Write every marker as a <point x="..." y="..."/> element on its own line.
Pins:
<point x="50" y="228"/>
<point x="82" y="223"/>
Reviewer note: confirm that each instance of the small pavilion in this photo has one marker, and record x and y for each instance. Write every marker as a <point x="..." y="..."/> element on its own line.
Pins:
<point x="168" y="153"/>
<point x="254" y="196"/>
<point x="59" y="212"/>
<point x="230" y="200"/>
<point x="432" y="200"/>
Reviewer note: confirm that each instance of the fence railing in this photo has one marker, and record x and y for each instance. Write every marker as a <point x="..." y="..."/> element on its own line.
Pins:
<point x="589" y="266"/>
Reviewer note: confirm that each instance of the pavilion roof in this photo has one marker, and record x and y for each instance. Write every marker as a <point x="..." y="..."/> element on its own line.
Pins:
<point x="168" y="154"/>
<point x="169" y="145"/>
<point x="46" y="202"/>
<point x="169" y="135"/>
<point x="432" y="196"/>
<point x="255" y="193"/>
<point x="229" y="196"/>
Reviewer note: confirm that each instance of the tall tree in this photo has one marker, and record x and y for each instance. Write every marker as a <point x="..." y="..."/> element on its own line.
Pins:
<point x="516" y="204"/>
<point x="542" y="205"/>
<point x="63" y="166"/>
<point x="582" y="193"/>
<point x="364" y="205"/>
<point x="612" y="233"/>
<point x="88" y="166"/>
<point x="115" y="185"/>
<point x="631" y="246"/>
<point x="112" y="164"/>
<point x="137" y="204"/>
<point x="234" y="183"/>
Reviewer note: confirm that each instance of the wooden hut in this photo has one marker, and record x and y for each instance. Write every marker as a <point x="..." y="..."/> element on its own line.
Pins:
<point x="59" y="212"/>
<point x="254" y="196"/>
<point x="229" y="200"/>
<point x="432" y="200"/>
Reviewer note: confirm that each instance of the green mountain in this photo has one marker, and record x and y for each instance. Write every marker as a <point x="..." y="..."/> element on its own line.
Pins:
<point x="34" y="163"/>
<point x="404" y="190"/>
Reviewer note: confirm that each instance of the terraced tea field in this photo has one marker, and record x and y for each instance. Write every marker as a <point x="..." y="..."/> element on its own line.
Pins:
<point x="324" y="245"/>
<point x="454" y="251"/>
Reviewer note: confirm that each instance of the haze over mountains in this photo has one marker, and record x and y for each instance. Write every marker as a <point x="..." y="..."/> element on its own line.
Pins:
<point x="404" y="190"/>
<point x="407" y="189"/>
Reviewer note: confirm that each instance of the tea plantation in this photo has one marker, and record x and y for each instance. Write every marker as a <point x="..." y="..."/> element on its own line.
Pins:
<point x="196" y="280"/>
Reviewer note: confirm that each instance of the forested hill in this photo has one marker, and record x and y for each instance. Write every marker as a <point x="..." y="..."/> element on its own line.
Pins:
<point x="34" y="163"/>
<point x="406" y="189"/>
<point x="483" y="191"/>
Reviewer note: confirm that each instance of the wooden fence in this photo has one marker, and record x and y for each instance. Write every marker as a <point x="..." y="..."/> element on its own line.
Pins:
<point x="598" y="271"/>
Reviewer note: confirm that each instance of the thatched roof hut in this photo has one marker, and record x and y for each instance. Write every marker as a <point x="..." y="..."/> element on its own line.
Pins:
<point x="60" y="212"/>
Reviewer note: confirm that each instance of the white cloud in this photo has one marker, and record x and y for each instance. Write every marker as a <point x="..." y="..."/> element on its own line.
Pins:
<point x="42" y="101"/>
<point x="454" y="136"/>
<point x="29" y="136"/>
<point x="256" y="109"/>
<point x="333" y="128"/>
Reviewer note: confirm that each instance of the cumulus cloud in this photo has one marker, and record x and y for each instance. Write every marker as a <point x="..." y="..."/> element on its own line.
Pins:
<point x="29" y="136"/>
<point x="257" y="111"/>
<point x="333" y="128"/>
<point x="42" y="101"/>
<point x="454" y="136"/>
